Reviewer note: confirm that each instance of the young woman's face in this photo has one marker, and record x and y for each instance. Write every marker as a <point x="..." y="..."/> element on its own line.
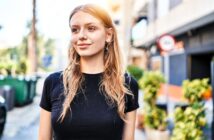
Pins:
<point x="88" y="34"/>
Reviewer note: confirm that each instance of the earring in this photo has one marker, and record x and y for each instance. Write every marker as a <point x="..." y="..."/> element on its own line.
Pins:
<point x="107" y="46"/>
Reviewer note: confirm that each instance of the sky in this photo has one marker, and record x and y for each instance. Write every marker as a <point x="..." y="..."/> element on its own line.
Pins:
<point x="52" y="16"/>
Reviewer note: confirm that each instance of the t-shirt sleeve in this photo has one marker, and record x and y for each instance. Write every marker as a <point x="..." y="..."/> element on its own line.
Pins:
<point x="45" y="102"/>
<point x="132" y="101"/>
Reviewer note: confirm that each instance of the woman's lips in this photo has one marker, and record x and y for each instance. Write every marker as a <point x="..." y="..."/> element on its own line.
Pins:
<point x="83" y="45"/>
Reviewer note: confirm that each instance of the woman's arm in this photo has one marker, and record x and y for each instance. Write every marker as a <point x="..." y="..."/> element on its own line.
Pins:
<point x="45" y="129"/>
<point x="129" y="129"/>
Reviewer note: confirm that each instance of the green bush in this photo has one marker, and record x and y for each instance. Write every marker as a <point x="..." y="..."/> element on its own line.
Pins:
<point x="135" y="71"/>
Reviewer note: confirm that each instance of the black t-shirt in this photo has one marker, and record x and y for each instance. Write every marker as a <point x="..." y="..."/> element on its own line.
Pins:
<point x="89" y="117"/>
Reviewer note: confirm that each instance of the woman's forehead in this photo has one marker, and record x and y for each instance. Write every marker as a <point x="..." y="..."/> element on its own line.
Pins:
<point x="80" y="18"/>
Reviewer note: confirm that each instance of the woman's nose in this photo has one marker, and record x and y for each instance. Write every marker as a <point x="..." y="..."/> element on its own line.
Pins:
<point x="82" y="34"/>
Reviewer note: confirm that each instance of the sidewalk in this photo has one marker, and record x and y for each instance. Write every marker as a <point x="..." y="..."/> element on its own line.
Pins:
<point x="22" y="122"/>
<point x="20" y="119"/>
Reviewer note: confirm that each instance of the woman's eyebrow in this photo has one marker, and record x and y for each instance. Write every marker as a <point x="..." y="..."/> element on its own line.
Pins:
<point x="74" y="25"/>
<point x="91" y="23"/>
<point x="86" y="24"/>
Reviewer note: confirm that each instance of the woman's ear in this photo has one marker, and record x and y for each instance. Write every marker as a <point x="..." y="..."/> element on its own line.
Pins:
<point x="109" y="35"/>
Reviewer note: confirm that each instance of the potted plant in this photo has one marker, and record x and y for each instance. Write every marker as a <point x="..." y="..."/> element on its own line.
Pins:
<point x="189" y="122"/>
<point x="155" y="119"/>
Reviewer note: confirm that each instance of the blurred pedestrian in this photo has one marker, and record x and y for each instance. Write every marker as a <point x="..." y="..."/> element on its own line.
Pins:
<point x="93" y="98"/>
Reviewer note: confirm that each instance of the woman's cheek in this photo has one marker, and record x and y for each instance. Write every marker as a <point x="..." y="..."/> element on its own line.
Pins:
<point x="74" y="41"/>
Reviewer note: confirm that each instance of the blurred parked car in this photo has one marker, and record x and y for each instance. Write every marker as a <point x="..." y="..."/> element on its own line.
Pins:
<point x="3" y="114"/>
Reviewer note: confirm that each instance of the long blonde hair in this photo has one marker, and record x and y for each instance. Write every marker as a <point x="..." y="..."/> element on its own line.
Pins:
<point x="113" y="80"/>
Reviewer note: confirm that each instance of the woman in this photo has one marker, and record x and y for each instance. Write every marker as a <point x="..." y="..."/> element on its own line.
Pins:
<point x="92" y="99"/>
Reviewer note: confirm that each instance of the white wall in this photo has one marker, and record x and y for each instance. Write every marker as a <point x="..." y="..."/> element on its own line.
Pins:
<point x="188" y="12"/>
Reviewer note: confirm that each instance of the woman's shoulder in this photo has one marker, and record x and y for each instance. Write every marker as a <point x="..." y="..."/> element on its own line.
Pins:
<point x="131" y="100"/>
<point x="54" y="75"/>
<point x="130" y="81"/>
<point x="54" y="78"/>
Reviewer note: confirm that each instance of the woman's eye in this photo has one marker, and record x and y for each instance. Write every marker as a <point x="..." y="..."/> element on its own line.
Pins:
<point x="91" y="28"/>
<point x="74" y="30"/>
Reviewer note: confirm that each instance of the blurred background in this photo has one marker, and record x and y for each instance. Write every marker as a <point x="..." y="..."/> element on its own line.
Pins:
<point x="167" y="44"/>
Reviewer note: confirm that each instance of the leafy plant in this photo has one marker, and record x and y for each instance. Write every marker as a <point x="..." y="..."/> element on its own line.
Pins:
<point x="150" y="83"/>
<point x="135" y="71"/>
<point x="155" y="117"/>
<point x="189" y="122"/>
<point x="195" y="90"/>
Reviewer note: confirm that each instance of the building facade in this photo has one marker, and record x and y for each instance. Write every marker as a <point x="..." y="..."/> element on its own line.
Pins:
<point x="191" y="24"/>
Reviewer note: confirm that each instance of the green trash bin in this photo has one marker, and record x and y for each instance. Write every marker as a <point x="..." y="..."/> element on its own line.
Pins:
<point x="21" y="87"/>
<point x="31" y="83"/>
<point x="33" y="86"/>
<point x="28" y="83"/>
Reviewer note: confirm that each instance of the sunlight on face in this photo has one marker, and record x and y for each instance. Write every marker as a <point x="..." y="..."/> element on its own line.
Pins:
<point x="88" y="35"/>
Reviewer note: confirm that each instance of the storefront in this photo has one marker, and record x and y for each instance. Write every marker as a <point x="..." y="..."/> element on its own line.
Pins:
<point x="194" y="61"/>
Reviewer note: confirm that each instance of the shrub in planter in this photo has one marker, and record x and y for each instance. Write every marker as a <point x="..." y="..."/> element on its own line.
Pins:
<point x="155" y="119"/>
<point x="189" y="122"/>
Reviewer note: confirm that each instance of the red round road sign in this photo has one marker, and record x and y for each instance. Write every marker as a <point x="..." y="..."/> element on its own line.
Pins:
<point x="166" y="43"/>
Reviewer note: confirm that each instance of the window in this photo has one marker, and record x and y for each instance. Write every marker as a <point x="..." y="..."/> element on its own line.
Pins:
<point x="174" y="3"/>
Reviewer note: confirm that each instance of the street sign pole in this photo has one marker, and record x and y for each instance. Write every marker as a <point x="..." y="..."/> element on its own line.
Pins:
<point x="212" y="82"/>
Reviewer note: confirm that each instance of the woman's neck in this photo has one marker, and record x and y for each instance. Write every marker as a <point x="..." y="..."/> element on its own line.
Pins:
<point x="91" y="65"/>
